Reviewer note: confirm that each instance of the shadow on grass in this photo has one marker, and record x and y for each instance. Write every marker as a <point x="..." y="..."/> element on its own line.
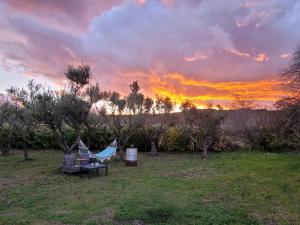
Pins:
<point x="163" y="213"/>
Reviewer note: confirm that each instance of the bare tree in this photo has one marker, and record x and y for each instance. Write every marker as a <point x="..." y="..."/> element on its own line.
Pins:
<point x="209" y="105"/>
<point x="290" y="106"/>
<point x="220" y="107"/>
<point x="242" y="103"/>
<point x="292" y="74"/>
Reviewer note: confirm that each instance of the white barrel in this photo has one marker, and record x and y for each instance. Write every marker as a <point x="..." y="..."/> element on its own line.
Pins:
<point x="131" y="154"/>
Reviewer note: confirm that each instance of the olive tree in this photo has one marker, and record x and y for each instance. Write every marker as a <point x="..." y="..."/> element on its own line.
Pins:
<point x="202" y="126"/>
<point x="124" y="110"/>
<point x="97" y="118"/>
<point x="6" y="120"/>
<point x="24" y="123"/>
<point x="65" y="108"/>
<point x="22" y="112"/>
<point x="156" y="119"/>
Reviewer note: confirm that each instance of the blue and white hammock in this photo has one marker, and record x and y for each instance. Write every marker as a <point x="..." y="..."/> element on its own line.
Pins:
<point x="105" y="154"/>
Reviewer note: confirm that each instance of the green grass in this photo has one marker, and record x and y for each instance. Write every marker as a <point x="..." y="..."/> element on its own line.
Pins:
<point x="229" y="188"/>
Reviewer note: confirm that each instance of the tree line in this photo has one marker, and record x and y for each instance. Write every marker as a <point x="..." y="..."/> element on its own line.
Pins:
<point x="136" y="119"/>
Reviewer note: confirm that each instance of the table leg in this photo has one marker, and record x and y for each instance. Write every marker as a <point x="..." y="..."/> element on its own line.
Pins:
<point x="80" y="172"/>
<point x="106" y="170"/>
<point x="98" y="171"/>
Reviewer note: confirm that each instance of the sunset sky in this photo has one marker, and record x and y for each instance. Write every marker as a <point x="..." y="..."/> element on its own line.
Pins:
<point x="204" y="50"/>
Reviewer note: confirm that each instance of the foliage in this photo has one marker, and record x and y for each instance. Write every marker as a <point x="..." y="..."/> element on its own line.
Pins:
<point x="95" y="123"/>
<point x="72" y="114"/>
<point x="175" y="139"/>
<point x="6" y="121"/>
<point x="122" y="124"/>
<point x="59" y="110"/>
<point x="139" y="139"/>
<point x="156" y="119"/>
<point x="203" y="127"/>
<point x="42" y="138"/>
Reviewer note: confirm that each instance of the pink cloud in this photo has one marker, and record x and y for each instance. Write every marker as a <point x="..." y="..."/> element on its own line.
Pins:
<point x="194" y="57"/>
<point x="66" y="15"/>
<point x="285" y="55"/>
<point x="261" y="57"/>
<point x="124" y="41"/>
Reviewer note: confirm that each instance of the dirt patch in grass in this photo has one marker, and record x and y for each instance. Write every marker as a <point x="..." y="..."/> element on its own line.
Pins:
<point x="196" y="173"/>
<point x="188" y="174"/>
<point x="10" y="182"/>
<point x="53" y="223"/>
<point x="108" y="218"/>
<point x="108" y="215"/>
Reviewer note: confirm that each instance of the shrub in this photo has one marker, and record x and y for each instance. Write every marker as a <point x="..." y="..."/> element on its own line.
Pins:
<point x="175" y="139"/>
<point x="140" y="141"/>
<point x="99" y="139"/>
<point x="42" y="138"/>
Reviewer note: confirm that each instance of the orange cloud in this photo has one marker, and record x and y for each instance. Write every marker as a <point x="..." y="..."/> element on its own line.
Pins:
<point x="261" y="57"/>
<point x="179" y="88"/>
<point x="235" y="52"/>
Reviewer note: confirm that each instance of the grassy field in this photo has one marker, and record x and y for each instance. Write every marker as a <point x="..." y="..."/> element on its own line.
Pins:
<point x="229" y="188"/>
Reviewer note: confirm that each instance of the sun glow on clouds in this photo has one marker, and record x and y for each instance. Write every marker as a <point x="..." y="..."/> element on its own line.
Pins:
<point x="179" y="88"/>
<point x="261" y="57"/>
<point x="238" y="53"/>
<point x="185" y="49"/>
<point x="195" y="57"/>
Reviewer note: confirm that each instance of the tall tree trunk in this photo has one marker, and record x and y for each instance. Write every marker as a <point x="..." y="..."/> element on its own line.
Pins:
<point x="25" y="149"/>
<point x="89" y="140"/>
<point x="121" y="149"/>
<point x="207" y="144"/>
<point x="6" y="151"/>
<point x="153" y="148"/>
<point x="3" y="149"/>
<point x="205" y="152"/>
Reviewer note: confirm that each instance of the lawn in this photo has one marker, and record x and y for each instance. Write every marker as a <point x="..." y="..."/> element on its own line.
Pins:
<point x="229" y="188"/>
